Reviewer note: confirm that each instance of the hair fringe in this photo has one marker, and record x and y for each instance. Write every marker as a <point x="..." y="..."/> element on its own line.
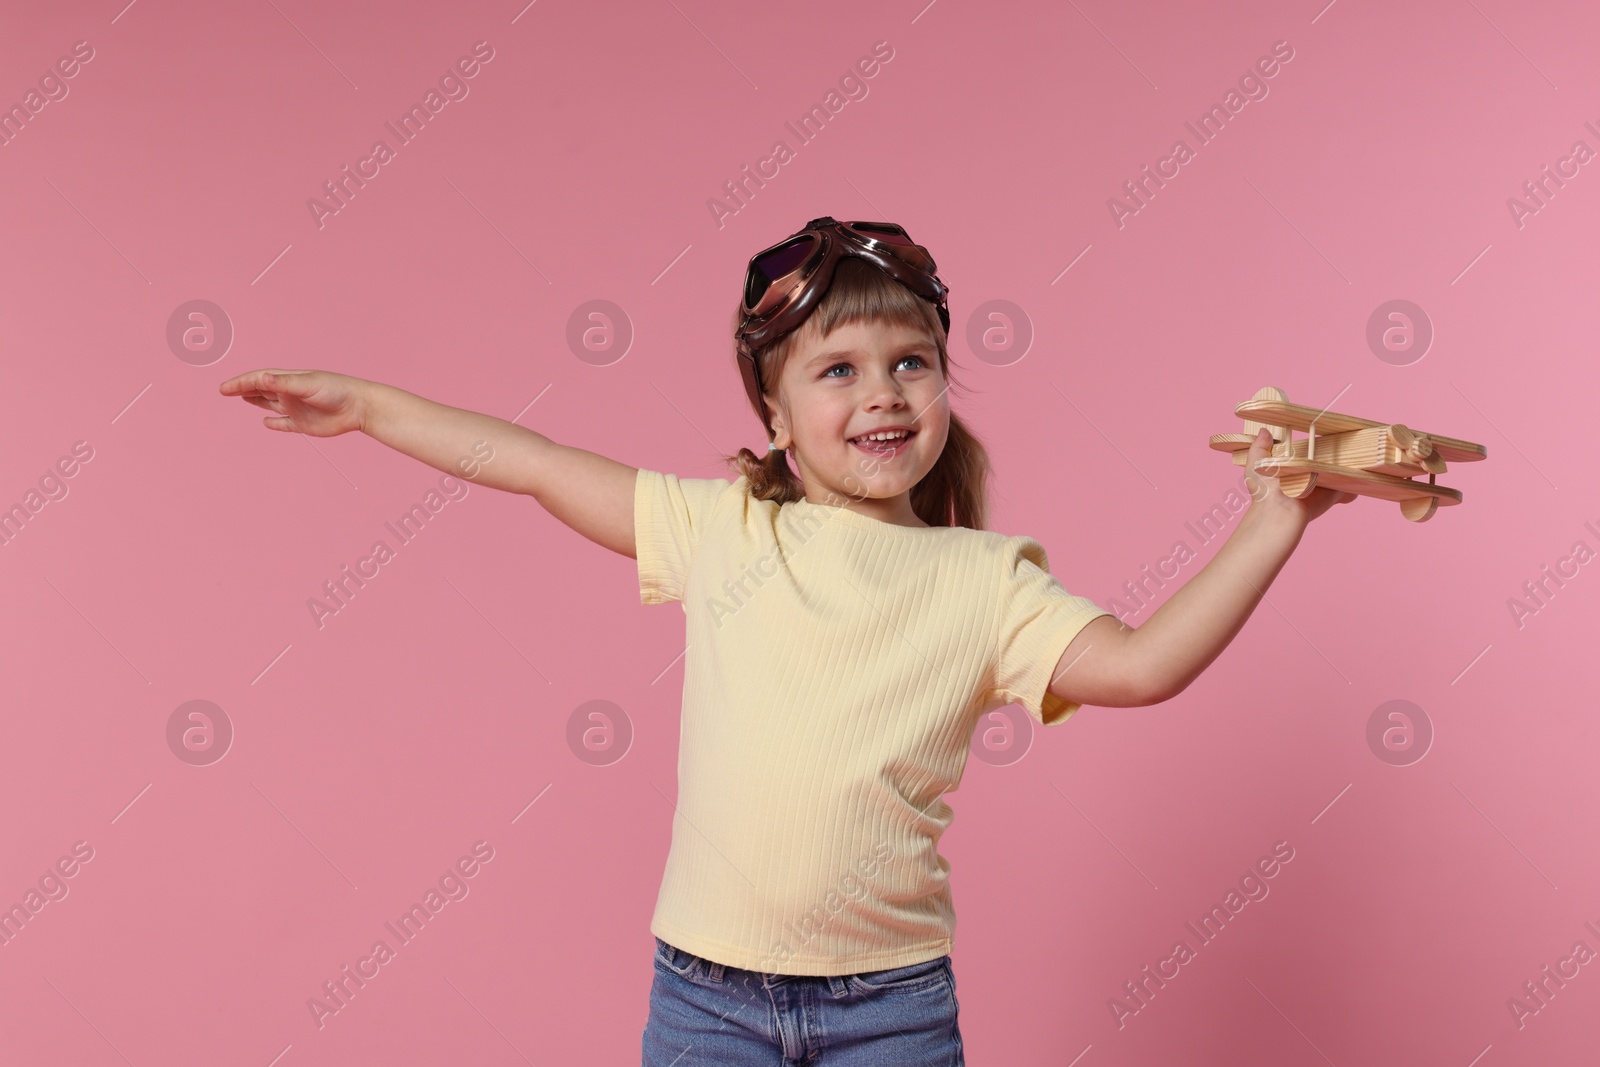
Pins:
<point x="955" y="491"/>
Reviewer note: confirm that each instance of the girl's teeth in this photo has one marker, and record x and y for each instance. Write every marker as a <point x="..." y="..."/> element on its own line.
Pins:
<point x="881" y="445"/>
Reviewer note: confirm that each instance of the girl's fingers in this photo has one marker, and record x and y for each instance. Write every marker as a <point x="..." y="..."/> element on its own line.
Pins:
<point x="240" y="383"/>
<point x="278" y="381"/>
<point x="266" y="380"/>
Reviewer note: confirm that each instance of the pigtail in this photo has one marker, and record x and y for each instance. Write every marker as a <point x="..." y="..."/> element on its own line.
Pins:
<point x="769" y="475"/>
<point x="954" y="492"/>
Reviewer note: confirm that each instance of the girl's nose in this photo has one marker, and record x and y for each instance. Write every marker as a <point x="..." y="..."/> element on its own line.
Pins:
<point x="885" y="392"/>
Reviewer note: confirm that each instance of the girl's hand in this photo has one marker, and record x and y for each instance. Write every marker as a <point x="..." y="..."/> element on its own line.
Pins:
<point x="315" y="402"/>
<point x="1266" y="493"/>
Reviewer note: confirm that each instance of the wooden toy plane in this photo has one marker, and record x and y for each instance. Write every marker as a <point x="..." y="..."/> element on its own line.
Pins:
<point x="1348" y="454"/>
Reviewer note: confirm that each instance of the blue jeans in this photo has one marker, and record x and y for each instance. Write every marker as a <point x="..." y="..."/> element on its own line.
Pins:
<point x="704" y="1013"/>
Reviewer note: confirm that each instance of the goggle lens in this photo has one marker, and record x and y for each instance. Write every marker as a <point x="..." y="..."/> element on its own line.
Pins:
<point x="775" y="263"/>
<point x="904" y="247"/>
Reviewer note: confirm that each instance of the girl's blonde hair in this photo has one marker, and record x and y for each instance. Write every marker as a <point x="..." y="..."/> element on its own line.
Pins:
<point x="954" y="492"/>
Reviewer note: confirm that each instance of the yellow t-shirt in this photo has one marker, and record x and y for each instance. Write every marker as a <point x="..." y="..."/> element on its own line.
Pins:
<point x="836" y="667"/>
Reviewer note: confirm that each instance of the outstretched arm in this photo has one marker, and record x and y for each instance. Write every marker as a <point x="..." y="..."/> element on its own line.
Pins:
<point x="1112" y="665"/>
<point x="588" y="492"/>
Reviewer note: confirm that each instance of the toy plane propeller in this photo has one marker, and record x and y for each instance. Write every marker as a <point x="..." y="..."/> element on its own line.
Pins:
<point x="1348" y="454"/>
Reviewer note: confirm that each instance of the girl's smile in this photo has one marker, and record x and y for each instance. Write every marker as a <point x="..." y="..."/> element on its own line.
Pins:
<point x="885" y="443"/>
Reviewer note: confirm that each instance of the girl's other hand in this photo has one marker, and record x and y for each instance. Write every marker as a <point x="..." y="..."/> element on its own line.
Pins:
<point x="1267" y="494"/>
<point x="315" y="402"/>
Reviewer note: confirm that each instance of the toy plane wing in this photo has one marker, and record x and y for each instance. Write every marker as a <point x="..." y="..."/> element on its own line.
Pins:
<point x="1297" y="416"/>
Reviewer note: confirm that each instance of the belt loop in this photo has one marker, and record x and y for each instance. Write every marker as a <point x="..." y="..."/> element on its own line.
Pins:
<point x="837" y="985"/>
<point x="714" y="971"/>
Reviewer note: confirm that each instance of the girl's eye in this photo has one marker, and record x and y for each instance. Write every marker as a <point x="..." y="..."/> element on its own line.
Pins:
<point x="920" y="363"/>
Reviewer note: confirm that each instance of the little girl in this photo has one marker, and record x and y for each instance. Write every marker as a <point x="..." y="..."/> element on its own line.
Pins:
<point x="848" y="622"/>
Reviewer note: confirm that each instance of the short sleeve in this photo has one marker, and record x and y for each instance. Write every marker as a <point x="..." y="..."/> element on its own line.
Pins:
<point x="1035" y="620"/>
<point x="669" y="515"/>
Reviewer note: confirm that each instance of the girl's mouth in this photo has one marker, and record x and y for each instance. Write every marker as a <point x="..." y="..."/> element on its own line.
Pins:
<point x="884" y="449"/>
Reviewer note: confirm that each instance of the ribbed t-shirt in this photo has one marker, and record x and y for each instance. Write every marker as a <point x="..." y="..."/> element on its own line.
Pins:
<point x="836" y="667"/>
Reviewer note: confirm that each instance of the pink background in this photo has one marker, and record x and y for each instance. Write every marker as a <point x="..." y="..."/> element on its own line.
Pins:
<point x="373" y="752"/>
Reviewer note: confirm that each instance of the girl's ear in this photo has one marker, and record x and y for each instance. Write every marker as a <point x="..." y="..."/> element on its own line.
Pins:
<point x="780" y="431"/>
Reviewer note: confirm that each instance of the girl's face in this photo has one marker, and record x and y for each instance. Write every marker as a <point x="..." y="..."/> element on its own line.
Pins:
<point x="864" y="377"/>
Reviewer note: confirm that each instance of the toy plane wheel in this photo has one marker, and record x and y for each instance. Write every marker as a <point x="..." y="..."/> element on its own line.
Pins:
<point x="1419" y="509"/>
<point x="1298" y="486"/>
